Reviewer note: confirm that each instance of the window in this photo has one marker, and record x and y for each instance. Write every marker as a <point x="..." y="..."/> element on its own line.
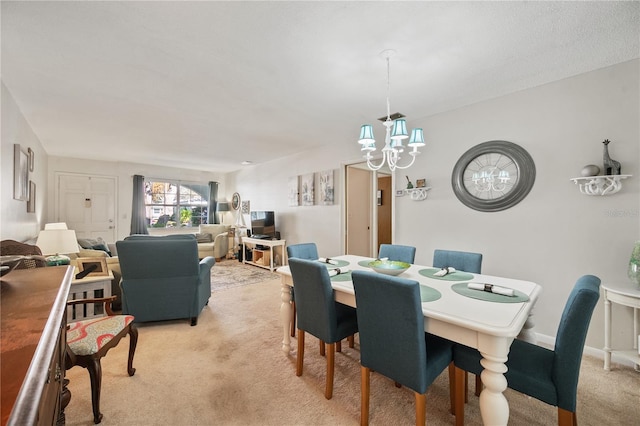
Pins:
<point x="174" y="203"/>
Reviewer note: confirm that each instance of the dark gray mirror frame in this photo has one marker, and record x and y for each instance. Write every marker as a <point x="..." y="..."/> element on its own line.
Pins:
<point x="526" y="172"/>
<point x="235" y="201"/>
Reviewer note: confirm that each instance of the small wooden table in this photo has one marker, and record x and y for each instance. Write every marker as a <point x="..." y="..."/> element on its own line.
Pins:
<point x="627" y="295"/>
<point x="266" y="256"/>
<point x="88" y="288"/>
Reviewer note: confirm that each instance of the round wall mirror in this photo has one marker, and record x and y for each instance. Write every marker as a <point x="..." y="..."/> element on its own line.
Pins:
<point x="235" y="201"/>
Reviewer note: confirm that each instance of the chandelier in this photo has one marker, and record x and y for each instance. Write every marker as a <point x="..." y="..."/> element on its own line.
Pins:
<point x="396" y="132"/>
<point x="492" y="179"/>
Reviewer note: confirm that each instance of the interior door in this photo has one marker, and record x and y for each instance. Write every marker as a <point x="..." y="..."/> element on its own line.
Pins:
<point x="384" y="198"/>
<point x="358" y="211"/>
<point x="87" y="204"/>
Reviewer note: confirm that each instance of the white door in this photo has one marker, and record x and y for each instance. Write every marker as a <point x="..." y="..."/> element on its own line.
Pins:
<point x="87" y="204"/>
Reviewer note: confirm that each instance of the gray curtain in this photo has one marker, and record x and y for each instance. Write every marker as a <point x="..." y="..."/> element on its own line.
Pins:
<point x="213" y="203"/>
<point x="138" y="213"/>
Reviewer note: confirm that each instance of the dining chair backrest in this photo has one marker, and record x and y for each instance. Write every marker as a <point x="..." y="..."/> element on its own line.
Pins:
<point x="303" y="251"/>
<point x="460" y="260"/>
<point x="571" y="337"/>
<point x="397" y="252"/>
<point x="314" y="299"/>
<point x="391" y="328"/>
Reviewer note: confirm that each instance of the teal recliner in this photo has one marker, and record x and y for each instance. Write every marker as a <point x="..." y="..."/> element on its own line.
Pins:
<point x="162" y="278"/>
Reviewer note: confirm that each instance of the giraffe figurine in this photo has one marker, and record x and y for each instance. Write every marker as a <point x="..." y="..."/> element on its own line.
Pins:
<point x="611" y="166"/>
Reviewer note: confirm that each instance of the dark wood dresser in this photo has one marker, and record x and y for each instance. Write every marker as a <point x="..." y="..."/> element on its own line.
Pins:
<point x="33" y="342"/>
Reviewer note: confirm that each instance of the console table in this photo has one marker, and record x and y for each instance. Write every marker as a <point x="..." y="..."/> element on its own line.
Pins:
<point x="33" y="345"/>
<point x="264" y="258"/>
<point x="627" y="295"/>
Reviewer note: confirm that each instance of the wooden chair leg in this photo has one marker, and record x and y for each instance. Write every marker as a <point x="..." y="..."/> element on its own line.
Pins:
<point x="567" y="418"/>
<point x="293" y="319"/>
<point x="322" y="351"/>
<point x="339" y="346"/>
<point x="300" y="355"/>
<point x="365" y="385"/>
<point x="95" y="376"/>
<point x="331" y="354"/>
<point x="479" y="385"/>
<point x="133" y="342"/>
<point x="459" y="380"/>
<point x="452" y="388"/>
<point x="352" y="341"/>
<point x="421" y="409"/>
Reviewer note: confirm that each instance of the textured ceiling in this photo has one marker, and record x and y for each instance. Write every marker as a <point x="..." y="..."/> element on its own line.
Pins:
<point x="206" y="85"/>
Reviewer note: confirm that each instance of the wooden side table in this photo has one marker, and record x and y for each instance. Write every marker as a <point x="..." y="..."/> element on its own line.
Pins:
<point x="88" y="288"/>
<point x="627" y="295"/>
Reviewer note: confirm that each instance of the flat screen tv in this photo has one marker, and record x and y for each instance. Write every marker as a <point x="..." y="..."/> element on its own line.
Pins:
<point x="263" y="224"/>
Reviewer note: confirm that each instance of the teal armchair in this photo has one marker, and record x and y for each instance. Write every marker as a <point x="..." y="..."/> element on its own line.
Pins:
<point x="162" y="278"/>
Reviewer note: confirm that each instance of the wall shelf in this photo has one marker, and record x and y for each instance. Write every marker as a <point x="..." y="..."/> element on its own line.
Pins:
<point x="600" y="185"/>
<point x="418" y="194"/>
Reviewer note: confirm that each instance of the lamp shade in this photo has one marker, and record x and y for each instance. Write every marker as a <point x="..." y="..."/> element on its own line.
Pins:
<point x="223" y="207"/>
<point x="399" y="129"/>
<point x="417" y="138"/>
<point x="366" y="135"/>
<point x="56" y="225"/>
<point x="55" y="241"/>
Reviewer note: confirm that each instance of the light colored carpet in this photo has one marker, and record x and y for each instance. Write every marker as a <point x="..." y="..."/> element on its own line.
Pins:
<point x="230" y="273"/>
<point x="230" y="370"/>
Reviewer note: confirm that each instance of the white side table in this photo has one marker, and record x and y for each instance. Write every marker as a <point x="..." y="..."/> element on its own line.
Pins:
<point x="627" y="295"/>
<point x="266" y="256"/>
<point x="86" y="288"/>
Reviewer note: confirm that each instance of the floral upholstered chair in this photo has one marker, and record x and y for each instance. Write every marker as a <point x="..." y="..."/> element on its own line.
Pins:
<point x="89" y="340"/>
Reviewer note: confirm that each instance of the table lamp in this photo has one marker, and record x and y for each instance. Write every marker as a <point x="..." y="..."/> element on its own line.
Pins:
<point x="223" y="207"/>
<point x="55" y="242"/>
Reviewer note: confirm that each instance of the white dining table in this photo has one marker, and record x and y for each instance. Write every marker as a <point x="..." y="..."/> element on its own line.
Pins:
<point x="487" y="326"/>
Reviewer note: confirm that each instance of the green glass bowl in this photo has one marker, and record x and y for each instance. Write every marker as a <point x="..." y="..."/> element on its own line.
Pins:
<point x="389" y="267"/>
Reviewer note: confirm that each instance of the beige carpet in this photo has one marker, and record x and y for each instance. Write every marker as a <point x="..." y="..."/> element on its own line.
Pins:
<point x="230" y="370"/>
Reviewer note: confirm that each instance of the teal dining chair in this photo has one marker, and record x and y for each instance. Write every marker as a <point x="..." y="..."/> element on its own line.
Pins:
<point x="461" y="260"/>
<point x="550" y="376"/>
<point x="392" y="338"/>
<point x="301" y="251"/>
<point x="320" y="315"/>
<point x="397" y="252"/>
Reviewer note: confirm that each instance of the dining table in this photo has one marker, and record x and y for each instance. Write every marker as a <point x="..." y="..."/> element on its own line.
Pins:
<point x="479" y="319"/>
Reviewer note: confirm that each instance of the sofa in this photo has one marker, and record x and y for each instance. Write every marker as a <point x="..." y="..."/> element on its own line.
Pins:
<point x="162" y="278"/>
<point x="213" y="240"/>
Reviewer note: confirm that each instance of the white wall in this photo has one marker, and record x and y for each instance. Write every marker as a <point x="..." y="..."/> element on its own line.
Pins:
<point x="552" y="237"/>
<point x="15" y="222"/>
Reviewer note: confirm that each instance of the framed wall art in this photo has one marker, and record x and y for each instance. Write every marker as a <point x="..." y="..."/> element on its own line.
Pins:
<point x="31" y="203"/>
<point x="293" y="194"/>
<point x="308" y="194"/>
<point x="20" y="173"/>
<point x="31" y="155"/>
<point x="326" y="187"/>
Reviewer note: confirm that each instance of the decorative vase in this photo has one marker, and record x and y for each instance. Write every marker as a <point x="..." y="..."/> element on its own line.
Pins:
<point x="634" y="264"/>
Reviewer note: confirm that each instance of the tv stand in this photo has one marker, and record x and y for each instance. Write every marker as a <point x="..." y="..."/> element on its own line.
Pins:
<point x="264" y="257"/>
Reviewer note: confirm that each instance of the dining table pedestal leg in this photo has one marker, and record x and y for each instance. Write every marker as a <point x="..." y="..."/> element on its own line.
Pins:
<point x="286" y="311"/>
<point x="494" y="407"/>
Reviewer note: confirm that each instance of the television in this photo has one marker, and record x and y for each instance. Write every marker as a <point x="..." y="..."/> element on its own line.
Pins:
<point x="263" y="224"/>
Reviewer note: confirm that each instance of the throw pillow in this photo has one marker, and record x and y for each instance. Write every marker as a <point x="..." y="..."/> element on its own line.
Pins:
<point x="204" y="238"/>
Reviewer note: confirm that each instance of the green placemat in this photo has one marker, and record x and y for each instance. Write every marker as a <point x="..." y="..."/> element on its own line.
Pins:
<point x="429" y="294"/>
<point x="342" y="277"/>
<point x="339" y="263"/>
<point x="365" y="263"/>
<point x="454" y="276"/>
<point x="461" y="288"/>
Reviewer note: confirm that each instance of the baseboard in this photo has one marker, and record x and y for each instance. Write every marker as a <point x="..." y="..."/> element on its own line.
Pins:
<point x="549" y="342"/>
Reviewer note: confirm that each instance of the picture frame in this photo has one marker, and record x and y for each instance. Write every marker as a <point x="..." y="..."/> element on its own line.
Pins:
<point x="293" y="195"/>
<point x="31" y="156"/>
<point x="31" y="202"/>
<point x="421" y="183"/>
<point x="100" y="263"/>
<point x="379" y="196"/>
<point x="308" y="193"/>
<point x="20" y="174"/>
<point x="326" y="187"/>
